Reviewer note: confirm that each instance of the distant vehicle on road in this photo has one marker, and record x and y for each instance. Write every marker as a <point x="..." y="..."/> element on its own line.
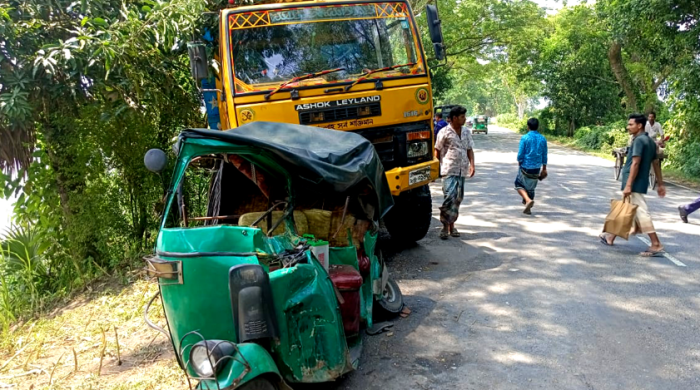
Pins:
<point x="481" y="124"/>
<point x="444" y="109"/>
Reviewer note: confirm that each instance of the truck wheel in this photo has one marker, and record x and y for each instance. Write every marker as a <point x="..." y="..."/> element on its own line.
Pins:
<point x="391" y="301"/>
<point x="259" y="383"/>
<point x="409" y="220"/>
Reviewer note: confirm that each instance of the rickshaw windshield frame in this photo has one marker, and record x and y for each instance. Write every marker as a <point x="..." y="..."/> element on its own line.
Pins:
<point x="190" y="148"/>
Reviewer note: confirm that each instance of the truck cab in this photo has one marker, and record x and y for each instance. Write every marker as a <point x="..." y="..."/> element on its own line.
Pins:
<point x="343" y="65"/>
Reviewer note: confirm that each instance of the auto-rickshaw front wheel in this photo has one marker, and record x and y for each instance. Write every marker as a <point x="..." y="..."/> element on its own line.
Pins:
<point x="260" y="383"/>
<point x="391" y="301"/>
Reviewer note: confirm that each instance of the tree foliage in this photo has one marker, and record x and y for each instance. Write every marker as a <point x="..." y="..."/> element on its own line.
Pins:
<point x="85" y="89"/>
<point x="575" y="70"/>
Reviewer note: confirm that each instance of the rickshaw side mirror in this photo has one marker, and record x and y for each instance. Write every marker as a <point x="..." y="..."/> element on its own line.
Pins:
<point x="155" y="160"/>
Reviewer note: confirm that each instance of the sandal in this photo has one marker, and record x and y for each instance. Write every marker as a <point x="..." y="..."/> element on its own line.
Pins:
<point x="528" y="207"/>
<point x="683" y="214"/>
<point x="454" y="233"/>
<point x="604" y="239"/>
<point x="444" y="234"/>
<point x="651" y="253"/>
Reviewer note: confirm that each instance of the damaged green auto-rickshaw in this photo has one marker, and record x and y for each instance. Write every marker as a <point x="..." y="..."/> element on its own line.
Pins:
<point x="267" y="257"/>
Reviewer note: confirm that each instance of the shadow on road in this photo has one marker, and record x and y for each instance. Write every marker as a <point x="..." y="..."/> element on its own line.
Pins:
<point x="522" y="302"/>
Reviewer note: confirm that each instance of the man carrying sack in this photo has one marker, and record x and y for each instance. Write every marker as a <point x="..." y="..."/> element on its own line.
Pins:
<point x="635" y="182"/>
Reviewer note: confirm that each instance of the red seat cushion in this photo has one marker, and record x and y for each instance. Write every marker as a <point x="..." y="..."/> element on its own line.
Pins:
<point x="345" y="277"/>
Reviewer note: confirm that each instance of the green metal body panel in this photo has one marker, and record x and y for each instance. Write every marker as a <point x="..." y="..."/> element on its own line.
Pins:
<point x="202" y="302"/>
<point x="312" y="346"/>
<point x="258" y="359"/>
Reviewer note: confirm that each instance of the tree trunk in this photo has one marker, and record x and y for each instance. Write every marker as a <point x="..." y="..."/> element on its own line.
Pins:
<point x="521" y="108"/>
<point x="622" y="76"/>
<point x="572" y="128"/>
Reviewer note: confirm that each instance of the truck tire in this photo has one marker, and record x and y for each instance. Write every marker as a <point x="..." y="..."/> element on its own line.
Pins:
<point x="409" y="220"/>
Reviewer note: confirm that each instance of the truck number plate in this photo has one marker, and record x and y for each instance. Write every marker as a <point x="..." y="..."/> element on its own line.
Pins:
<point x="418" y="175"/>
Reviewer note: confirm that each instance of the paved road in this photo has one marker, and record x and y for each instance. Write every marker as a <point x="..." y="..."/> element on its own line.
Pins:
<point x="535" y="302"/>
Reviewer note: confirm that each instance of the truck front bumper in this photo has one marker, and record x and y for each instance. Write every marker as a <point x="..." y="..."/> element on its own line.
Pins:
<point x="414" y="176"/>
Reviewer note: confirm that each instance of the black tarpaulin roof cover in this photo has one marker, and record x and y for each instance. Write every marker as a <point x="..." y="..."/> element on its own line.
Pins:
<point x="333" y="160"/>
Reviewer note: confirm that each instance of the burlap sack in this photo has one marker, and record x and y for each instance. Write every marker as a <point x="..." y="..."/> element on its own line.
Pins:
<point x="302" y="225"/>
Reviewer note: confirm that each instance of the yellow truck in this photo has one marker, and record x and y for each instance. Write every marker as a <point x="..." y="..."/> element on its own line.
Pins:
<point x="353" y="65"/>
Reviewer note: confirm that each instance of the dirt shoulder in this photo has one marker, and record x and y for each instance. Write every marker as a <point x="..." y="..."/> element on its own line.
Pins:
<point x="98" y="341"/>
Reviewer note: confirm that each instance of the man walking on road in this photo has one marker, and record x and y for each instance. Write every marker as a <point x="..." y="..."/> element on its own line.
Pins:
<point x="532" y="163"/>
<point x="439" y="123"/>
<point x="635" y="181"/>
<point x="688" y="209"/>
<point x="454" y="148"/>
<point x="653" y="130"/>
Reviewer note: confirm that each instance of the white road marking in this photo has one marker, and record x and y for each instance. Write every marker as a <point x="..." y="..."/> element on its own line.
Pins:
<point x="564" y="187"/>
<point x="666" y="255"/>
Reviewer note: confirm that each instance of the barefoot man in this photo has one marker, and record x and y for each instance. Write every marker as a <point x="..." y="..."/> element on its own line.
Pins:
<point x="641" y="158"/>
<point x="454" y="148"/>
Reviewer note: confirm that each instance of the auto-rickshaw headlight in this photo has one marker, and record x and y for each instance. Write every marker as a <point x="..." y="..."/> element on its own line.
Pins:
<point x="208" y="357"/>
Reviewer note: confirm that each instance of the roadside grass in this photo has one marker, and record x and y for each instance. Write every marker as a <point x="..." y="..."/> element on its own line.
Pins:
<point x="670" y="174"/>
<point x="75" y="346"/>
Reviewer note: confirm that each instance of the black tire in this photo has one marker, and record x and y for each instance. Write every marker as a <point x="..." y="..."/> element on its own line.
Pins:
<point x="259" y="383"/>
<point x="391" y="302"/>
<point x="652" y="179"/>
<point x="409" y="220"/>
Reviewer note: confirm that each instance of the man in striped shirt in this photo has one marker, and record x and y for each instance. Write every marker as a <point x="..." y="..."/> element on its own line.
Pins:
<point x="532" y="162"/>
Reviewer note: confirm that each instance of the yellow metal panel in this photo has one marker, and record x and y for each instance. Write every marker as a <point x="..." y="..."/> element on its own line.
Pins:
<point x="398" y="177"/>
<point x="399" y="105"/>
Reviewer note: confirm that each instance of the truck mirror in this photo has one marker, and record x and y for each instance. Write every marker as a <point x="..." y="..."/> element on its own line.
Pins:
<point x="199" y="65"/>
<point x="434" y="27"/>
<point x="439" y="51"/>
<point x="155" y="160"/>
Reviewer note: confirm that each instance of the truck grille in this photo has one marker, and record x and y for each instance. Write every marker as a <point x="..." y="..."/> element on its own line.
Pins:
<point x="391" y="143"/>
<point x="340" y="114"/>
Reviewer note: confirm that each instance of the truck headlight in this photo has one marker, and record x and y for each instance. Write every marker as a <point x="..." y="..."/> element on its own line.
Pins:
<point x="418" y="149"/>
<point x="208" y="357"/>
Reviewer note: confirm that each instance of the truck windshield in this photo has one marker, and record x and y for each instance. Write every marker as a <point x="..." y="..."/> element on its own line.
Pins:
<point x="272" y="46"/>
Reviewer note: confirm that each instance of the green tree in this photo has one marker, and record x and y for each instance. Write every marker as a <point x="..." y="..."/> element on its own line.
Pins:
<point x="577" y="77"/>
<point x="85" y="89"/>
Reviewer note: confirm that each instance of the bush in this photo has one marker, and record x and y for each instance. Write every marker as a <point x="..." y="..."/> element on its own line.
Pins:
<point x="511" y="121"/>
<point x="602" y="138"/>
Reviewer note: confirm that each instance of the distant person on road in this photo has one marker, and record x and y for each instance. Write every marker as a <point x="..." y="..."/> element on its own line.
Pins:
<point x="688" y="209"/>
<point x="439" y="123"/>
<point x="653" y="129"/>
<point x="455" y="150"/>
<point x="641" y="158"/>
<point x="532" y="163"/>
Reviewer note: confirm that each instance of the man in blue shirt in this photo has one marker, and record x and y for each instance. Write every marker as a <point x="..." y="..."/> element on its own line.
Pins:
<point x="439" y="123"/>
<point x="532" y="162"/>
